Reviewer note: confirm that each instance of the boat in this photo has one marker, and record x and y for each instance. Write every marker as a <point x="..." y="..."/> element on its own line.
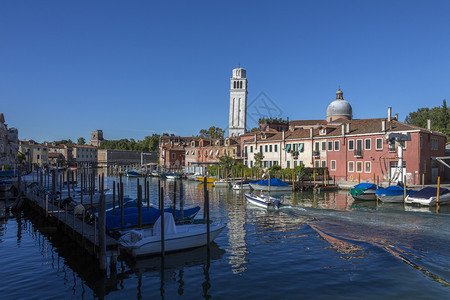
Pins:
<point x="263" y="201"/>
<point x="144" y="242"/>
<point x="245" y="185"/>
<point x="427" y="196"/>
<point x="5" y="185"/>
<point x="364" y="191"/>
<point x="133" y="174"/>
<point x="149" y="216"/>
<point x="393" y="193"/>
<point x="172" y="175"/>
<point x="273" y="184"/>
<point x="208" y="179"/>
<point x="222" y="183"/>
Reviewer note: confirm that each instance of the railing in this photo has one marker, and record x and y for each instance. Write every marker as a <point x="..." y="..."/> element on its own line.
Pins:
<point x="316" y="153"/>
<point x="358" y="153"/>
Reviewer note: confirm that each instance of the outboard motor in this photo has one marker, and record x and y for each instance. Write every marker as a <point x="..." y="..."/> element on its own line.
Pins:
<point x="276" y="203"/>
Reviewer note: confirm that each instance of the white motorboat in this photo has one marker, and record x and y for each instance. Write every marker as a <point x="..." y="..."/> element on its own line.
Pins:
<point x="263" y="201"/>
<point x="222" y="183"/>
<point x="144" y="242"/>
<point x="428" y="196"/>
<point x="393" y="193"/>
<point x="244" y="185"/>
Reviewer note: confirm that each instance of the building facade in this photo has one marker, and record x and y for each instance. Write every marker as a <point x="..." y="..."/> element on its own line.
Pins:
<point x="96" y="138"/>
<point x="9" y="144"/>
<point x="172" y="151"/>
<point x="35" y="153"/>
<point x="84" y="155"/>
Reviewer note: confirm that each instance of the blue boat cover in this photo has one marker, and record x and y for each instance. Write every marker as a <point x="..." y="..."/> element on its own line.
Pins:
<point x="428" y="192"/>
<point x="393" y="190"/>
<point x="273" y="182"/>
<point x="131" y="217"/>
<point x="369" y="186"/>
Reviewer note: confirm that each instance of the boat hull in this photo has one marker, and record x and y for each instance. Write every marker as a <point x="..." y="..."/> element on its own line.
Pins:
<point x="391" y="198"/>
<point x="368" y="195"/>
<point x="208" y="179"/>
<point x="223" y="184"/>
<point x="196" y="237"/>
<point x="431" y="201"/>
<point x="258" y="187"/>
<point x="262" y="201"/>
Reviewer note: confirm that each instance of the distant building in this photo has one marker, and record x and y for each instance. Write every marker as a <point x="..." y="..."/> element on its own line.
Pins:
<point x="64" y="150"/>
<point x="96" y="138"/>
<point x="238" y="103"/>
<point x="9" y="143"/>
<point x="172" y="151"/>
<point x="84" y="155"/>
<point x="35" y="153"/>
<point x="107" y="158"/>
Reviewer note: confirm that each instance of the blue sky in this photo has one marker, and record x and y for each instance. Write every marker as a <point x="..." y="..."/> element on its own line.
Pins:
<point x="134" y="68"/>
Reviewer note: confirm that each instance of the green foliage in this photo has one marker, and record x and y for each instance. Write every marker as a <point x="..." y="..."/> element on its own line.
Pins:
<point x="263" y="120"/>
<point x="258" y="159"/>
<point x="212" y="133"/>
<point x="64" y="142"/>
<point x="439" y="116"/>
<point x="226" y="162"/>
<point x="21" y="157"/>
<point x="81" y="141"/>
<point x="149" y="144"/>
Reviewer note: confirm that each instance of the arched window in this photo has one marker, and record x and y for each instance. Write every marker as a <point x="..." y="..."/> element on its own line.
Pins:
<point x="240" y="84"/>
<point x="234" y="84"/>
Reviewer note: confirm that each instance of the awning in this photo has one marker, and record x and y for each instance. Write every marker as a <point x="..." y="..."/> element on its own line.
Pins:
<point x="288" y="147"/>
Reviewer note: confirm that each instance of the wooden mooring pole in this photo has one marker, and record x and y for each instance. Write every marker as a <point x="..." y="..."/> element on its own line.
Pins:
<point x="161" y="204"/>
<point x="102" y="233"/>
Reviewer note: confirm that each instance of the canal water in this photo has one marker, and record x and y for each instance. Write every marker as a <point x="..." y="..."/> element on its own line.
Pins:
<point x="317" y="247"/>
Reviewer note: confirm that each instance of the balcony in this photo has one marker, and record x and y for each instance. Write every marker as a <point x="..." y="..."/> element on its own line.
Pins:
<point x="316" y="153"/>
<point x="358" y="152"/>
<point x="294" y="154"/>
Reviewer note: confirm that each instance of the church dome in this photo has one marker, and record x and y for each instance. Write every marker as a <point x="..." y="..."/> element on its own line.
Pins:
<point x="339" y="108"/>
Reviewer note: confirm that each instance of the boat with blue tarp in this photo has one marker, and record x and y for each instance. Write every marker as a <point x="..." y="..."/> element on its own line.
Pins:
<point x="393" y="193"/>
<point x="364" y="191"/>
<point x="273" y="184"/>
<point x="428" y="196"/>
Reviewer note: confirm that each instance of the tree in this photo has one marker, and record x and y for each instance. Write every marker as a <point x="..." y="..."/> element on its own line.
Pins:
<point x="439" y="116"/>
<point x="227" y="162"/>
<point x="212" y="133"/>
<point x="258" y="159"/>
<point x="81" y="141"/>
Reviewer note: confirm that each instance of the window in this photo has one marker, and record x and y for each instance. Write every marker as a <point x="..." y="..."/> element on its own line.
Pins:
<point x="251" y="149"/>
<point x="245" y="151"/>
<point x="260" y="149"/>
<point x="434" y="144"/>
<point x="317" y="163"/>
<point x="367" y="167"/>
<point x="295" y="163"/>
<point x="359" y="166"/>
<point x="333" y="165"/>
<point x="316" y="146"/>
<point x="379" y="144"/>
<point x="288" y="147"/>
<point x="359" y="144"/>
<point x="330" y="146"/>
<point x="173" y="155"/>
<point x="251" y="164"/>
<point x="265" y="164"/>
<point x="211" y="152"/>
<point x="336" y="145"/>
<point x="270" y="163"/>
<point x="288" y="164"/>
<point x="276" y="148"/>
<point x="324" y="146"/>
<point x="324" y="163"/>
<point x="351" y="145"/>
<point x="300" y="163"/>
<point x="351" y="166"/>
<point x="295" y="147"/>
<point x="265" y="148"/>
<point x="301" y="147"/>
<point x="270" y="148"/>
<point x="368" y="144"/>
<point x="37" y="156"/>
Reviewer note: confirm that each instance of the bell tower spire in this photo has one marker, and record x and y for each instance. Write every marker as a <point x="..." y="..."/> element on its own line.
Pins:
<point x="238" y="103"/>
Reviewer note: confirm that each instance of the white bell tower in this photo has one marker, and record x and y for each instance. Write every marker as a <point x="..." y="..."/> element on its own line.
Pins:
<point x="238" y="103"/>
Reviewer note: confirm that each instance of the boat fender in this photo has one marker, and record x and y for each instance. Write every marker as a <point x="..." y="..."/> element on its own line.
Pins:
<point x="276" y="203"/>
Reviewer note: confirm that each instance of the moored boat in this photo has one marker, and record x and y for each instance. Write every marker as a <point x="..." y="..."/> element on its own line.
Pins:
<point x="208" y="179"/>
<point x="364" y="191"/>
<point x="263" y="201"/>
<point x="245" y="185"/>
<point x="393" y="193"/>
<point x="222" y="183"/>
<point x="133" y="174"/>
<point x="428" y="196"/>
<point x="144" y="242"/>
<point x="273" y="184"/>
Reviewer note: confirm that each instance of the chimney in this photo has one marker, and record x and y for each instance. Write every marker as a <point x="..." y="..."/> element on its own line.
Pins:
<point x="396" y="117"/>
<point x="429" y="124"/>
<point x="282" y="135"/>
<point x="310" y="133"/>
<point x="343" y="129"/>
<point x="389" y="113"/>
<point x="383" y="125"/>
<point x="348" y="127"/>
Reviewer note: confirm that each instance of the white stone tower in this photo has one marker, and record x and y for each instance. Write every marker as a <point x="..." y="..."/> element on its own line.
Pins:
<point x="238" y="103"/>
